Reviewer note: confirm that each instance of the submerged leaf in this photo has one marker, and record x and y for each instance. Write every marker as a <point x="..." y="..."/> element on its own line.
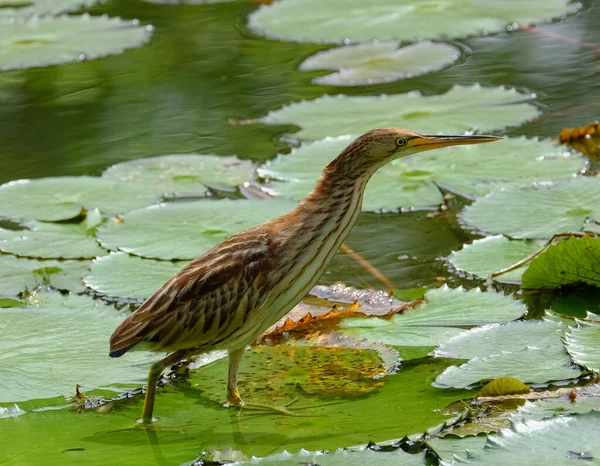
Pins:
<point x="352" y="20"/>
<point x="493" y="253"/>
<point x="570" y="261"/>
<point x="184" y="230"/>
<point x="37" y="42"/>
<point x="69" y="336"/>
<point x="66" y="197"/>
<point x="182" y="173"/>
<point x="537" y="211"/>
<point x="378" y="62"/>
<point x="462" y="108"/>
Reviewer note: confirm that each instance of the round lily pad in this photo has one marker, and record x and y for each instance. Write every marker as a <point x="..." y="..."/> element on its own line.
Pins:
<point x="462" y="108"/>
<point x="469" y="171"/>
<point x="493" y="253"/>
<point x="66" y="197"/>
<point x="184" y="230"/>
<point x="38" y="42"/>
<point x="51" y="241"/>
<point x="182" y="173"/>
<point x="28" y="8"/>
<point x="120" y="276"/>
<point x="378" y="62"/>
<point x="538" y="211"/>
<point x="583" y="344"/>
<point x="68" y="336"/>
<point x="355" y="20"/>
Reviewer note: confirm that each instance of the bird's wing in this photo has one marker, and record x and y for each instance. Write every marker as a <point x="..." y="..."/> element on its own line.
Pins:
<point x="205" y="302"/>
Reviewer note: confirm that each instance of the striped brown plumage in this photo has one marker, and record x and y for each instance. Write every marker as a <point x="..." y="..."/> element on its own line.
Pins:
<point x="227" y="297"/>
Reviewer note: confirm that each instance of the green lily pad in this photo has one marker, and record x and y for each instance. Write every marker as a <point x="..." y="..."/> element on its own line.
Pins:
<point x="38" y="42"/>
<point x="462" y="108"/>
<point x="18" y="275"/>
<point x="343" y="458"/>
<point x="439" y="319"/>
<point x="28" y="8"/>
<point x="588" y="399"/>
<point x="493" y="253"/>
<point x="583" y="344"/>
<point x="495" y="339"/>
<point x="559" y="440"/>
<point x="120" y="276"/>
<point x="469" y="171"/>
<point x="353" y="20"/>
<point x="450" y="447"/>
<point x="537" y="211"/>
<point x="530" y="365"/>
<point x="66" y="197"/>
<point x="184" y="230"/>
<point x="52" y="241"/>
<point x="379" y="62"/>
<point x="573" y="260"/>
<point x="69" y="336"/>
<point x="504" y="386"/>
<point x="182" y="173"/>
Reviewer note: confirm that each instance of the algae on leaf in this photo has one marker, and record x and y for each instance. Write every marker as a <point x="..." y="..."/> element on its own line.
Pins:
<point x="38" y="42"/>
<point x="461" y="109"/>
<point x="407" y="20"/>
<point x="570" y="261"/>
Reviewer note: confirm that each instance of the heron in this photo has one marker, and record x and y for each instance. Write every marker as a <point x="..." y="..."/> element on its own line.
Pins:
<point x="227" y="297"/>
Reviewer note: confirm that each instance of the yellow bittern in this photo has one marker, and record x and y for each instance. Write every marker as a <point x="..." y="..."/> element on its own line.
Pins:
<point x="228" y="296"/>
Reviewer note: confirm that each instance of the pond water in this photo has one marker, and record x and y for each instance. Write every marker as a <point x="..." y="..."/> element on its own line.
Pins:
<point x="189" y="90"/>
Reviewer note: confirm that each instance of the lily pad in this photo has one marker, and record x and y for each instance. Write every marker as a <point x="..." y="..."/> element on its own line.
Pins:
<point x="537" y="211"/>
<point x="583" y="344"/>
<point x="120" y="276"/>
<point x="462" y="108"/>
<point x="495" y="339"/>
<point x="28" y="8"/>
<point x="559" y="440"/>
<point x="182" y="173"/>
<point x="530" y="365"/>
<point x="504" y="386"/>
<point x="353" y="20"/>
<point x="52" y="241"/>
<point x="469" y="171"/>
<point x="68" y="334"/>
<point x="342" y="458"/>
<point x="38" y="42"/>
<point x="574" y="260"/>
<point x="379" y="62"/>
<point x="440" y="318"/>
<point x="184" y="230"/>
<point x="18" y="275"/>
<point x="66" y="197"/>
<point x="493" y="253"/>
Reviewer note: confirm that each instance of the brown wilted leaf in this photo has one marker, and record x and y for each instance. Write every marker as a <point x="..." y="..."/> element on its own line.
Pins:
<point x="585" y="139"/>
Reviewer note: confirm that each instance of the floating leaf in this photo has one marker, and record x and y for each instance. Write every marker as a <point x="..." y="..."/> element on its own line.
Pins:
<point x="69" y="335"/>
<point x="343" y="458"/>
<point x="469" y="171"/>
<point x="462" y="108"/>
<point x="378" y="62"/>
<point x="184" y="230"/>
<point x="37" y="42"/>
<point x="18" y="275"/>
<point x="438" y="319"/>
<point x="583" y="344"/>
<point x="531" y="365"/>
<point x="495" y="339"/>
<point x="559" y="440"/>
<point x="493" y="253"/>
<point x="121" y="276"/>
<point x="586" y="399"/>
<point x="63" y="198"/>
<point x="31" y="8"/>
<point x="449" y="447"/>
<point x="504" y="386"/>
<point x="51" y="241"/>
<point x="352" y="20"/>
<point x="182" y="173"/>
<point x="372" y="302"/>
<point x="573" y="260"/>
<point x="537" y="211"/>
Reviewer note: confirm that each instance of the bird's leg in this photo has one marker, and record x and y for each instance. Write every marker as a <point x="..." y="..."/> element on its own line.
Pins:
<point x="155" y="372"/>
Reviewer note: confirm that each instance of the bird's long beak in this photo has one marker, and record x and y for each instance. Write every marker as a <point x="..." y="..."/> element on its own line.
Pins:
<point x="431" y="141"/>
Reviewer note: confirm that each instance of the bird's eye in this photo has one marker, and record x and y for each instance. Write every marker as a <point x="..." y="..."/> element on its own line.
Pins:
<point x="400" y="142"/>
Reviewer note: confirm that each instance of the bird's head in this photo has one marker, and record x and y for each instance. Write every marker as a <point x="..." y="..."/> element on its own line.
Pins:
<point x="379" y="146"/>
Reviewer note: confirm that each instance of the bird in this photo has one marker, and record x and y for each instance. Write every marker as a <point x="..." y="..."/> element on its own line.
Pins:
<point x="227" y="297"/>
